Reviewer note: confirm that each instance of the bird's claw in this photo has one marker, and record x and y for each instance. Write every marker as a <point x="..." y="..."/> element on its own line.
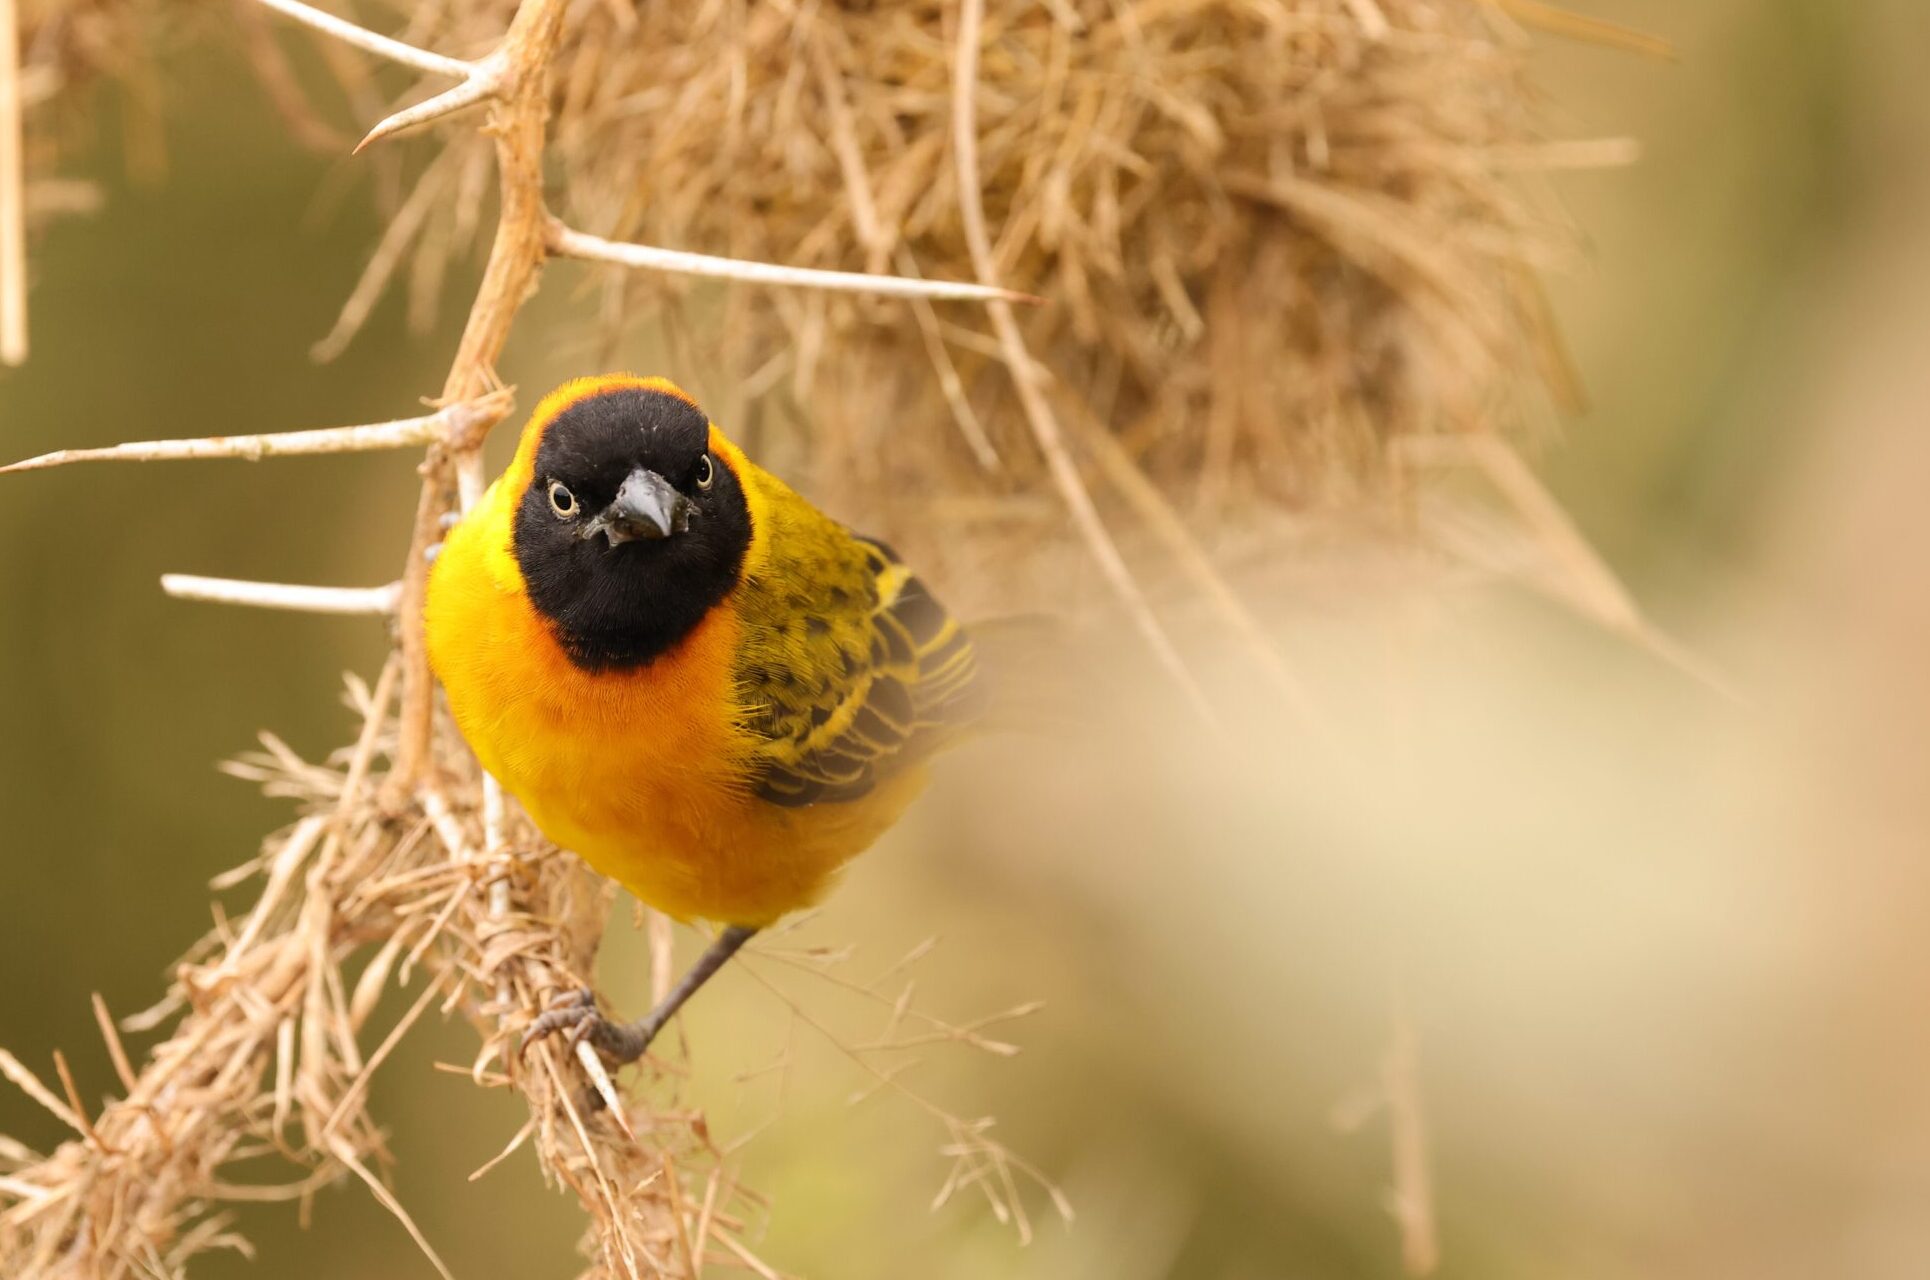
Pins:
<point x="571" y="1011"/>
<point x="575" y="1012"/>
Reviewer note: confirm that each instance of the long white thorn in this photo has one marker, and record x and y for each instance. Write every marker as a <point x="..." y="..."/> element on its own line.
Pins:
<point x="483" y="81"/>
<point x="605" y="1087"/>
<point x="362" y="38"/>
<point x="280" y="595"/>
<point x="568" y="243"/>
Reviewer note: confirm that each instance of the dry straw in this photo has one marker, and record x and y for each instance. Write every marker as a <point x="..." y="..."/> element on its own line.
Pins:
<point x="1285" y="248"/>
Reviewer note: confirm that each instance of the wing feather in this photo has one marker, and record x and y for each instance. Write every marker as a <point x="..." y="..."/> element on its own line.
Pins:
<point x="850" y="669"/>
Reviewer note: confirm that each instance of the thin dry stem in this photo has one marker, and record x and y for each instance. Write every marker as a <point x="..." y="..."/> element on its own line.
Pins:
<point x="1038" y="413"/>
<point x="978" y="1159"/>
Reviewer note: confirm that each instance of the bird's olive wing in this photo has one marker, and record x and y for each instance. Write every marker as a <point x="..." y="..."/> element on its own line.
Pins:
<point x="849" y="670"/>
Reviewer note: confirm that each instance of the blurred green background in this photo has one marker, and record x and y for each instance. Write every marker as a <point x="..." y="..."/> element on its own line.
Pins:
<point x="1663" y="953"/>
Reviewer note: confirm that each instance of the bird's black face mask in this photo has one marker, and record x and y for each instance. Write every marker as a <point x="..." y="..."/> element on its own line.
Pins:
<point x="631" y="530"/>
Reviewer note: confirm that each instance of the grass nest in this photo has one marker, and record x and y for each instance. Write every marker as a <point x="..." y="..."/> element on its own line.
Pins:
<point x="1274" y="239"/>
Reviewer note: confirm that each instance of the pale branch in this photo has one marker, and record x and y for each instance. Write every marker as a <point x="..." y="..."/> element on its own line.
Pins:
<point x="378" y="601"/>
<point x="568" y="243"/>
<point x="484" y="81"/>
<point x="380" y="45"/>
<point x="402" y="433"/>
<point x="13" y="194"/>
<point x="456" y="423"/>
<point x="1025" y="377"/>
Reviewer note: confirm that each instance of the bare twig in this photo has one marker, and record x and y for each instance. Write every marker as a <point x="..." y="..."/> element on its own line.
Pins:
<point x="457" y="420"/>
<point x="13" y="194"/>
<point x="380" y="45"/>
<point x="576" y="244"/>
<point x="278" y="595"/>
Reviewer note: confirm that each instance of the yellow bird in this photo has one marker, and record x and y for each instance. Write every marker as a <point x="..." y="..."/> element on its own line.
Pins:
<point x="688" y="675"/>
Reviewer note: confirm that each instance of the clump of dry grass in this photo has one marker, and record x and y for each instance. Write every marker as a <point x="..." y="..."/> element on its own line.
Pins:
<point x="1274" y="236"/>
<point x="269" y="1058"/>
<point x="272" y="1014"/>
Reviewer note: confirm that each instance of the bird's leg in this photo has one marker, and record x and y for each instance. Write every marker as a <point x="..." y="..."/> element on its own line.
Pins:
<point x="620" y="1044"/>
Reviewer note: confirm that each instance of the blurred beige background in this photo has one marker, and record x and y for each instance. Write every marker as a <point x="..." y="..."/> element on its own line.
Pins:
<point x="1663" y="953"/>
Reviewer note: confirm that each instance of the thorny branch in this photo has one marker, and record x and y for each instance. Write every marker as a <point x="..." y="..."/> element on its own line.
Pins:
<point x="518" y="124"/>
<point x="456" y="423"/>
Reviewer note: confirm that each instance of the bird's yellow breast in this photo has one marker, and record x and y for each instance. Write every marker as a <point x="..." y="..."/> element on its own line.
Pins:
<point x="643" y="772"/>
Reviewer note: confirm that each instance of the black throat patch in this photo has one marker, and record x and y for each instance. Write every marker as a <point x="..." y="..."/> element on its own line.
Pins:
<point x="614" y="607"/>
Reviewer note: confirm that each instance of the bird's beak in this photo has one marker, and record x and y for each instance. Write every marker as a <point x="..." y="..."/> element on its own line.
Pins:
<point x="647" y="506"/>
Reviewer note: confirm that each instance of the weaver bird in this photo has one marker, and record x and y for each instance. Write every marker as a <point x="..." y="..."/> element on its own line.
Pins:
<point x="691" y="677"/>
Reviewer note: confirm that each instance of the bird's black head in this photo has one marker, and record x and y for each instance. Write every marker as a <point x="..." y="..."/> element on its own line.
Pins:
<point x="631" y="528"/>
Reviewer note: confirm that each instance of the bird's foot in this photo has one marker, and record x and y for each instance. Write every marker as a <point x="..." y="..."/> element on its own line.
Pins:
<point x="576" y="1013"/>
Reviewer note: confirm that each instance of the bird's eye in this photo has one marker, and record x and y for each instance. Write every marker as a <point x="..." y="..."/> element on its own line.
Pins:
<point x="705" y="472"/>
<point x="562" y="501"/>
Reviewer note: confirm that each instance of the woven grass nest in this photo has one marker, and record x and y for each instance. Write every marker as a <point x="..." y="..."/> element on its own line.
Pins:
<point x="1273" y="237"/>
